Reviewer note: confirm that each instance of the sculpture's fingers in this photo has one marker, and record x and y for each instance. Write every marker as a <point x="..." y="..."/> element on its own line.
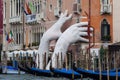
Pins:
<point x="85" y="34"/>
<point x="91" y="34"/>
<point x="61" y="14"/>
<point x="66" y="12"/>
<point x="91" y="29"/>
<point x="69" y="17"/>
<point x="80" y="24"/>
<point x="83" y="39"/>
<point x="85" y="29"/>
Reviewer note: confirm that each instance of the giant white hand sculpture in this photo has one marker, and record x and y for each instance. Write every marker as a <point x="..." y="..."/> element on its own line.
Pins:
<point x="51" y="34"/>
<point x="73" y="34"/>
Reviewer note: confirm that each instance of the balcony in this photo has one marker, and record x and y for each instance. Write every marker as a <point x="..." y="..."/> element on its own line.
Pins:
<point x="106" y="38"/>
<point x="31" y="19"/>
<point x="106" y="9"/>
<point x="15" y="19"/>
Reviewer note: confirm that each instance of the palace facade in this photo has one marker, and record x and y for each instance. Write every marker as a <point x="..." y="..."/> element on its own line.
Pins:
<point x="27" y="30"/>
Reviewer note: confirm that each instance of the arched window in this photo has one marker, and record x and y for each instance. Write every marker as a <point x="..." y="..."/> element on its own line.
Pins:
<point x="105" y="30"/>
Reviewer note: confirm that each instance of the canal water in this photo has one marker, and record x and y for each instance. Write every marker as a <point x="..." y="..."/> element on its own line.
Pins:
<point x="27" y="77"/>
<point x="30" y="77"/>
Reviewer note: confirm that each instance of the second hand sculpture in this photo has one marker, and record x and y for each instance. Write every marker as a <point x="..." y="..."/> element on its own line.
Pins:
<point x="74" y="33"/>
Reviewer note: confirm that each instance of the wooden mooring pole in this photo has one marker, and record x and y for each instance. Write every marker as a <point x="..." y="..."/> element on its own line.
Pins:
<point x="100" y="76"/>
<point x="107" y="56"/>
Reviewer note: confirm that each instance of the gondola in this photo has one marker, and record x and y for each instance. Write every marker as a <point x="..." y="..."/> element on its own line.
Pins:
<point x="0" y="69"/>
<point x="105" y="71"/>
<point x="40" y="72"/>
<point x="68" y="73"/>
<point x="23" y="68"/>
<point x="96" y="75"/>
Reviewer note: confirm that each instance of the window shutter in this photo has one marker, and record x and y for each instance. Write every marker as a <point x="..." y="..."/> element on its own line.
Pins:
<point x="102" y="32"/>
<point x="108" y="29"/>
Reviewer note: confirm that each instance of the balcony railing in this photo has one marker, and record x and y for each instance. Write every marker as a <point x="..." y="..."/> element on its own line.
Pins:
<point x="31" y="18"/>
<point x="15" y="19"/>
<point x="106" y="38"/>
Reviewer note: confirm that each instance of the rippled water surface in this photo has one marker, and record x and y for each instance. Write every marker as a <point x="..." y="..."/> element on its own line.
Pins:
<point x="30" y="77"/>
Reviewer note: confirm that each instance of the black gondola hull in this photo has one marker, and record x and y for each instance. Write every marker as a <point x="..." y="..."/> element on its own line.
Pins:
<point x="66" y="73"/>
<point x="39" y="72"/>
<point x="96" y="75"/>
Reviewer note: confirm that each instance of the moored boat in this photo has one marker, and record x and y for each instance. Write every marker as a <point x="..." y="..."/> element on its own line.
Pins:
<point x="68" y="73"/>
<point x="96" y="75"/>
<point x="40" y="72"/>
<point x="23" y="68"/>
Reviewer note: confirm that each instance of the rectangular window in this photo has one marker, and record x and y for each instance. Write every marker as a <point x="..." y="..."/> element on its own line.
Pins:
<point x="44" y="5"/>
<point x="105" y="2"/>
<point x="60" y="3"/>
<point x="38" y="37"/>
<point x="17" y="6"/>
<point x="38" y="7"/>
<point x="78" y="1"/>
<point x="17" y="34"/>
<point x="11" y="8"/>
<point x="50" y="7"/>
<point x="17" y="38"/>
<point x="35" y="4"/>
<point x="4" y="10"/>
